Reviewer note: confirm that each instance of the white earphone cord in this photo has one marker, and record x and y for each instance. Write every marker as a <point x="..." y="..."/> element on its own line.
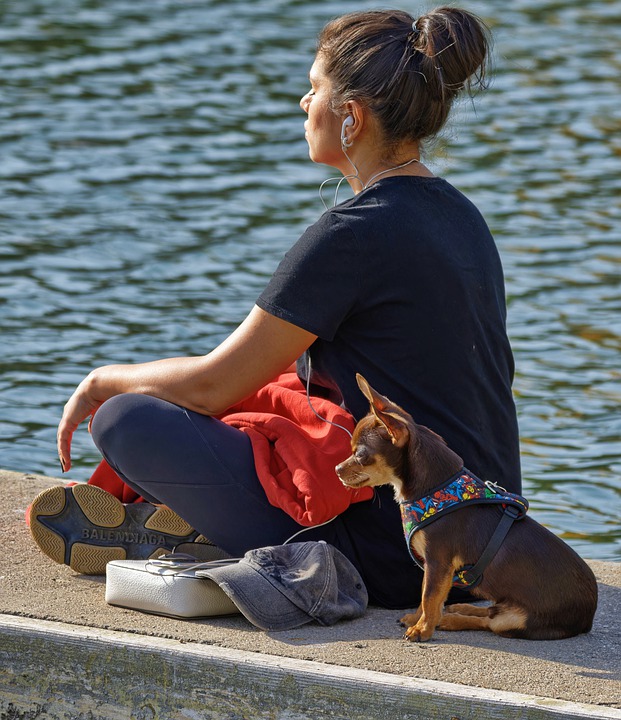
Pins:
<point x="310" y="404"/>
<point x="348" y="122"/>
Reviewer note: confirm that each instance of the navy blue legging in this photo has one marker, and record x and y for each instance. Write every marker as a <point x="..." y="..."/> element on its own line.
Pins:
<point x="198" y="466"/>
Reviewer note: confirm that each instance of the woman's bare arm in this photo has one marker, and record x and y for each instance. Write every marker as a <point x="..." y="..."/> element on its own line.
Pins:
<point x="255" y="353"/>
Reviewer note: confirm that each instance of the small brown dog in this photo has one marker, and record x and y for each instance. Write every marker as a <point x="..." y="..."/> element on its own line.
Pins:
<point x="540" y="588"/>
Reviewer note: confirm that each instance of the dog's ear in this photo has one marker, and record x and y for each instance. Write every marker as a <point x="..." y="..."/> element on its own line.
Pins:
<point x="367" y="390"/>
<point x="387" y="412"/>
<point x="395" y="425"/>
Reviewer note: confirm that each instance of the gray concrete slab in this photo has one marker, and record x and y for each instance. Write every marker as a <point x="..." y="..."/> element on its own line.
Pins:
<point x="360" y="666"/>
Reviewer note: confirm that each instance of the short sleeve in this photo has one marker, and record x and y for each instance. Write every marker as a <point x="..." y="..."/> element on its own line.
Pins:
<point x="317" y="283"/>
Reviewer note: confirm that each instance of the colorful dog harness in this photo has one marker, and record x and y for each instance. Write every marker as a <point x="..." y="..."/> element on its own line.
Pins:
<point x="463" y="488"/>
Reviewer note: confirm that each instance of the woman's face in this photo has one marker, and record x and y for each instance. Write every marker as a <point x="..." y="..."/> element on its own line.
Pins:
<point x="323" y="127"/>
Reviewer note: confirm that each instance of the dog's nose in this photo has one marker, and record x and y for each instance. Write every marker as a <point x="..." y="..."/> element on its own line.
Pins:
<point x="338" y="469"/>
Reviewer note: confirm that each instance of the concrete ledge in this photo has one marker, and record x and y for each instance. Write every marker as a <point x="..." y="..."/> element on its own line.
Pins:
<point x="54" y="670"/>
<point x="65" y="653"/>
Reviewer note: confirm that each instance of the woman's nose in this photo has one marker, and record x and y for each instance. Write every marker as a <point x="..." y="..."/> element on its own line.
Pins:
<point x="304" y="103"/>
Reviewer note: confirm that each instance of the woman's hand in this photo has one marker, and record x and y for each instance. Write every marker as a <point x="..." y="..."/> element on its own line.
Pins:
<point x="261" y="348"/>
<point x="84" y="403"/>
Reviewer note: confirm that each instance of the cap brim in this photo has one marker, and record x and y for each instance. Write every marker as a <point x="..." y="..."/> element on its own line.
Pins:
<point x="256" y="598"/>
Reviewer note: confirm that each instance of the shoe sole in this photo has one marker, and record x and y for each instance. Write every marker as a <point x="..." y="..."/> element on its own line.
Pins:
<point x="86" y="527"/>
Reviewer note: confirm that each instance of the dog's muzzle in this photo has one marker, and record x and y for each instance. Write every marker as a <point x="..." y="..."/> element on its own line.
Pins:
<point x="350" y="474"/>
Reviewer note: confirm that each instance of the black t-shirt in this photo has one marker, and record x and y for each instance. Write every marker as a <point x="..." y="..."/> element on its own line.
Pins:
<point x="403" y="284"/>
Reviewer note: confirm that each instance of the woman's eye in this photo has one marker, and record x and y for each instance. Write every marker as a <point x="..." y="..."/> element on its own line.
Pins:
<point x="310" y="93"/>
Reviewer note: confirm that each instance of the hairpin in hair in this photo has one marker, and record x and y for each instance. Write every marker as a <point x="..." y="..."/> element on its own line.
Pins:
<point x="415" y="30"/>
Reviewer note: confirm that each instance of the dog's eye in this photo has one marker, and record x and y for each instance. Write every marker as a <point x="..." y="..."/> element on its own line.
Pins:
<point x="361" y="455"/>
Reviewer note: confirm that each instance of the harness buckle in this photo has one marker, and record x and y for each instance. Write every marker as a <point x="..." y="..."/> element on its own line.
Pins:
<point x="512" y="511"/>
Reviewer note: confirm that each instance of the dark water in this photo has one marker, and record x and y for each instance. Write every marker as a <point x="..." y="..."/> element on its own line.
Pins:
<point x="153" y="171"/>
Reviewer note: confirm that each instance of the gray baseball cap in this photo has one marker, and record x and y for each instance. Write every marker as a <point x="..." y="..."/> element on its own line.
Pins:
<point x="281" y="587"/>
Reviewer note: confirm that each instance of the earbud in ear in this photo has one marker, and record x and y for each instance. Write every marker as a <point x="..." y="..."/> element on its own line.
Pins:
<point x="348" y="122"/>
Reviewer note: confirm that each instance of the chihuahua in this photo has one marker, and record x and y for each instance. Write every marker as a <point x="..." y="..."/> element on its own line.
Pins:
<point x="539" y="588"/>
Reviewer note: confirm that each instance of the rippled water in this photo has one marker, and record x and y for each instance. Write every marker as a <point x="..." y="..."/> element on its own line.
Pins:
<point x="154" y="170"/>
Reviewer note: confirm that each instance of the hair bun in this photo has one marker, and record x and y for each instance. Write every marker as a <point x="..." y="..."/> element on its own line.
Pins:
<point x="457" y="43"/>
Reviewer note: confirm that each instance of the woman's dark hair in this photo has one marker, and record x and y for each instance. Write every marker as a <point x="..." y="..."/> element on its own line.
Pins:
<point x="406" y="70"/>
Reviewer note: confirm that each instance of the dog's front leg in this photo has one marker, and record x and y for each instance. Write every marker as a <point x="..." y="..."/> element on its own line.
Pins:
<point x="436" y="586"/>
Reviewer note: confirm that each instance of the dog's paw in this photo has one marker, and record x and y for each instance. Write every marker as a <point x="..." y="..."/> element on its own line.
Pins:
<point x="418" y="633"/>
<point x="409" y="619"/>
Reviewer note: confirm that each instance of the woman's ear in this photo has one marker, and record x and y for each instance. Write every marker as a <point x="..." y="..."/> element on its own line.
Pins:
<point x="354" y="110"/>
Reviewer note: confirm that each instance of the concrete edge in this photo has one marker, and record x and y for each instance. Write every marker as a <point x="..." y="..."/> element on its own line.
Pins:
<point x="57" y="670"/>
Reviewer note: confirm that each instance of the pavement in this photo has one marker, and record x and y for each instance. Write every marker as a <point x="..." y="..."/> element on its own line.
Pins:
<point x="100" y="661"/>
